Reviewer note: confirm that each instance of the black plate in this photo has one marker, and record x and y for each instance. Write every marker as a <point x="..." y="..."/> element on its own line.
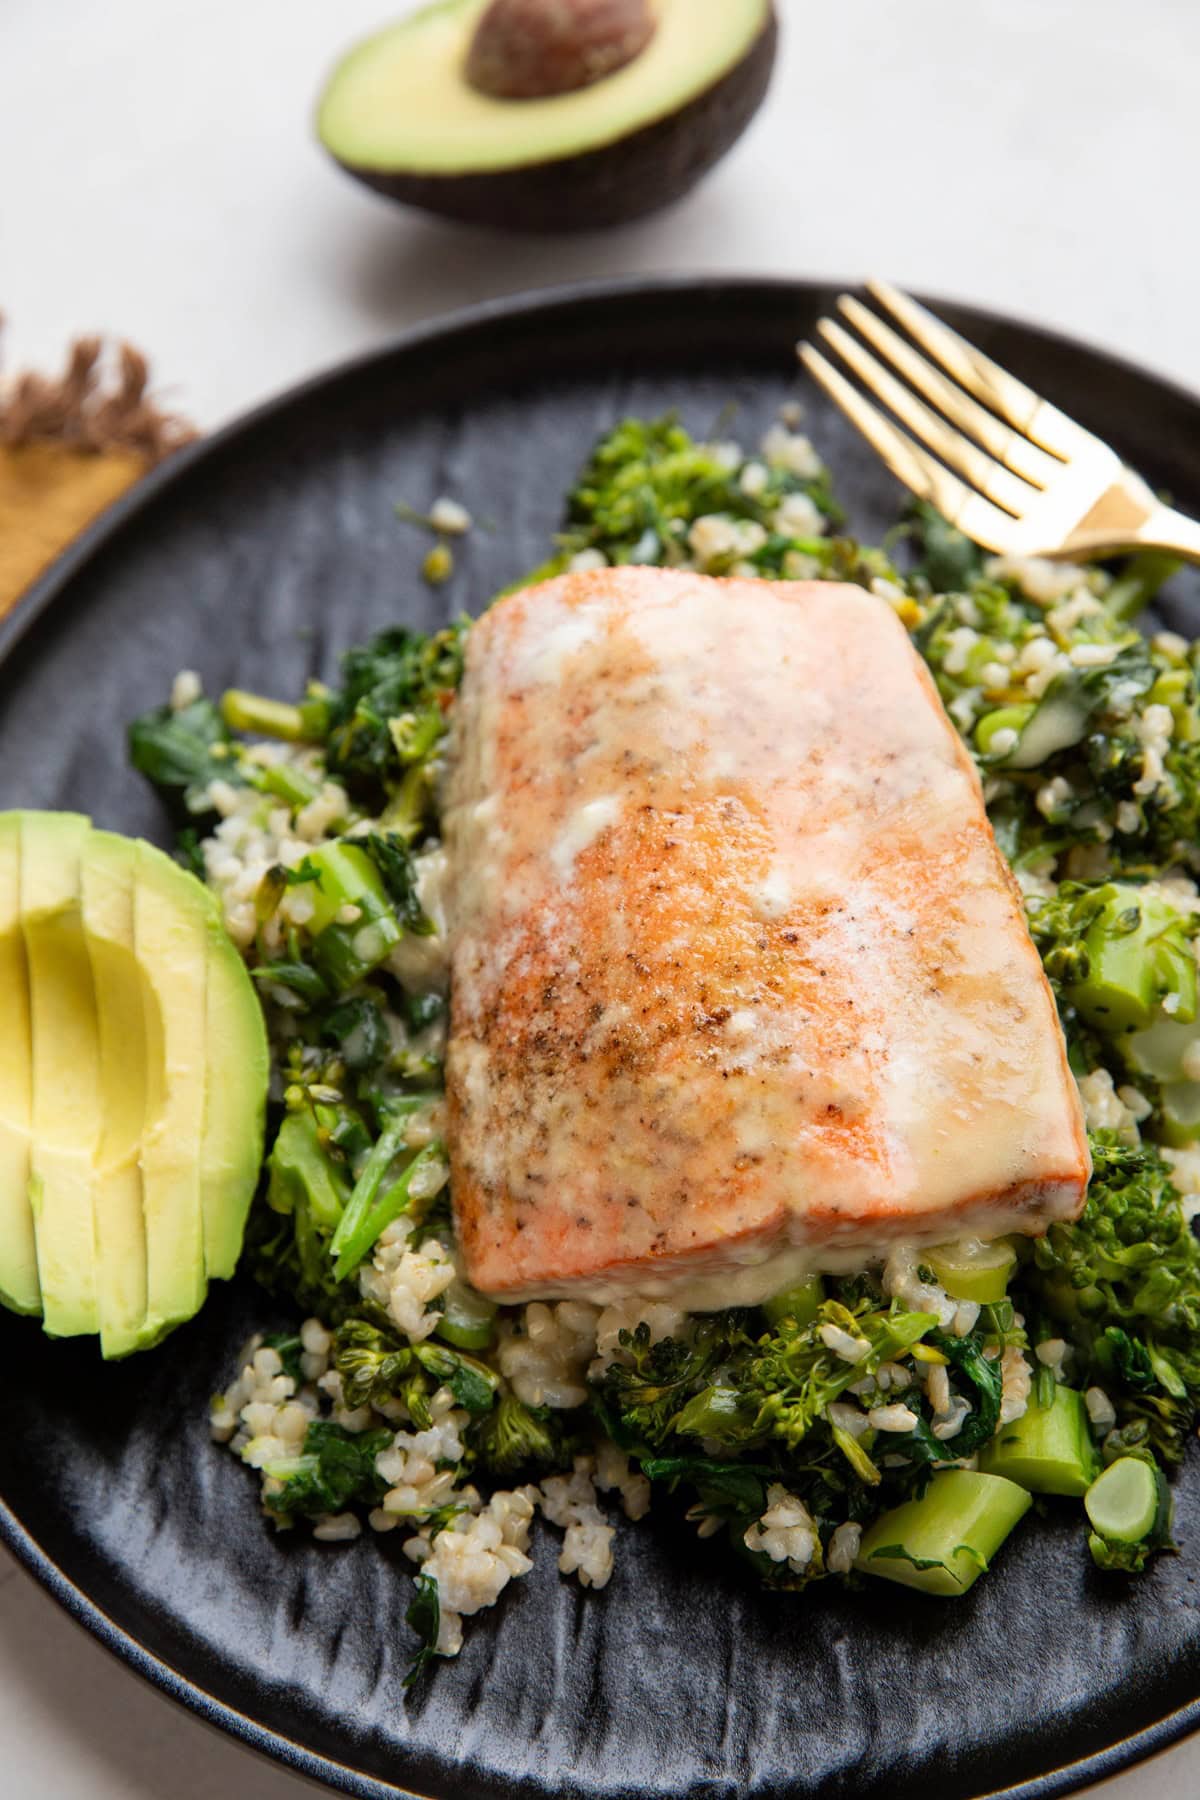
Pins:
<point x="256" y="557"/>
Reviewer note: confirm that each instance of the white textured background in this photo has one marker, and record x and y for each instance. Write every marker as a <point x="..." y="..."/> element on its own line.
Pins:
<point x="157" y="179"/>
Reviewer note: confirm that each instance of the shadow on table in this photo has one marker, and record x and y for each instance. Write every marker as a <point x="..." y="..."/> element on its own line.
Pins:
<point x="404" y="266"/>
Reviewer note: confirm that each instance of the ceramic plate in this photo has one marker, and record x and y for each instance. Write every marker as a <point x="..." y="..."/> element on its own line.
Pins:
<point x="255" y="558"/>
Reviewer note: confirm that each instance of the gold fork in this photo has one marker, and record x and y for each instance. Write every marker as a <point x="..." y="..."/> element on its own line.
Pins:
<point x="1033" y="482"/>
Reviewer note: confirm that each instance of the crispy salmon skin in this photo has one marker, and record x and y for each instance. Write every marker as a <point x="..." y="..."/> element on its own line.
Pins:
<point x="737" y="964"/>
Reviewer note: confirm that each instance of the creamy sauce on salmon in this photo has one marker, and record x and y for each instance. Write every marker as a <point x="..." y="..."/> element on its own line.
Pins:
<point x="740" y="981"/>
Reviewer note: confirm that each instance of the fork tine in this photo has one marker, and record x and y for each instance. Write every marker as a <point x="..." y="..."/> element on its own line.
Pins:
<point x="1016" y="404"/>
<point x="1006" y="445"/>
<point x="991" y="478"/>
<point x="977" y="517"/>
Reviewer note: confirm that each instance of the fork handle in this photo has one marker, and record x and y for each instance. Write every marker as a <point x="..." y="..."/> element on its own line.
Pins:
<point x="1167" y="529"/>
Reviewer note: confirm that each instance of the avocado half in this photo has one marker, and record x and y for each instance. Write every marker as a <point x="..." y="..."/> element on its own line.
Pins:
<point x="399" y="114"/>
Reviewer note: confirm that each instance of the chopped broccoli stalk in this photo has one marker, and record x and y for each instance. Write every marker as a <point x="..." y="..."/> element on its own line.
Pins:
<point x="1005" y="718"/>
<point x="717" y="1414"/>
<point x="1137" y="953"/>
<point x="944" y="1541"/>
<point x="288" y="784"/>
<point x="802" y="1302"/>
<point x="344" y="875"/>
<point x="468" y="1318"/>
<point x="340" y="873"/>
<point x="1181" y="1113"/>
<point x="263" y="717"/>
<point x="1049" y="1450"/>
<point x="972" y="1269"/>
<point x="1130" y="1509"/>
<point x="1160" y="1049"/>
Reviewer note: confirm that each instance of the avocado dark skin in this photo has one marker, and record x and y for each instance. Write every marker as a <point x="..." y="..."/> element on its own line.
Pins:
<point x="635" y="175"/>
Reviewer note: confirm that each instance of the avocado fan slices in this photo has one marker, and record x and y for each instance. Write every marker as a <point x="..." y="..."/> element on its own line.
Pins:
<point x="133" y="1075"/>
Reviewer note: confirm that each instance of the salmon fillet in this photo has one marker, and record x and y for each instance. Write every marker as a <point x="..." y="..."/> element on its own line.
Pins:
<point x="737" y="967"/>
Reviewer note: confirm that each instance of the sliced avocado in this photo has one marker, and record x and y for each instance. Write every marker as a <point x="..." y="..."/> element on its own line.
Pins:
<point x="237" y="1070"/>
<point x="171" y="929"/>
<point x="19" y="1286"/>
<point x="65" y="1064"/>
<point x="109" y="872"/>
<point x="133" y="1080"/>
<point x="401" y="114"/>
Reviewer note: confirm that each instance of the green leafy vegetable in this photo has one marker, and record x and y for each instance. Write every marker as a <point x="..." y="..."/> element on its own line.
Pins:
<point x="1125" y="1282"/>
<point x="182" y="752"/>
<point x="335" y="1470"/>
<point x="424" y="1616"/>
<point x="513" y="1437"/>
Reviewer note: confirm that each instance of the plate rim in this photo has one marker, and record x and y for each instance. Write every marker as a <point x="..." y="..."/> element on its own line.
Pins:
<point x="37" y="601"/>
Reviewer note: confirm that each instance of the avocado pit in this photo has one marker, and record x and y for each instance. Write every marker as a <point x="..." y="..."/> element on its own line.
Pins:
<point x="532" y="49"/>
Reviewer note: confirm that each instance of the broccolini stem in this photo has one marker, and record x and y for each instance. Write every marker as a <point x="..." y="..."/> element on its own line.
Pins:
<point x="289" y="784"/>
<point x="364" y="1218"/>
<point x="266" y="718"/>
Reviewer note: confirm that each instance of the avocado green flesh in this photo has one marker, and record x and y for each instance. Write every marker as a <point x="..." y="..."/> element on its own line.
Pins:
<point x="108" y="874"/>
<point x="171" y="944"/>
<point x="944" y="1541"/>
<point x="133" y="1081"/>
<point x="1048" y="1450"/>
<point x="238" y="1068"/>
<point x="20" y="1289"/>
<point x="65" y="1068"/>
<point x="400" y="101"/>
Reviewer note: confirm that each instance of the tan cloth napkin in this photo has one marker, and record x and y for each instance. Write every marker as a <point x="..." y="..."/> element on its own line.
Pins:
<point x="69" y="446"/>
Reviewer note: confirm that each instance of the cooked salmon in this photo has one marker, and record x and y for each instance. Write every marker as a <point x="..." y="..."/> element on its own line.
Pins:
<point x="738" y="971"/>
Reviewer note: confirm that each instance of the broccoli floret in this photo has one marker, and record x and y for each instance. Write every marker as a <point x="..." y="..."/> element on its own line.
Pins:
<point x="1125" y="1281"/>
<point x="376" y="1367"/>
<point x="1114" y="953"/>
<point x="383" y="726"/>
<point x="791" y="1375"/>
<point x="640" y="1394"/>
<point x="514" y="1437"/>
<point x="648" y="481"/>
